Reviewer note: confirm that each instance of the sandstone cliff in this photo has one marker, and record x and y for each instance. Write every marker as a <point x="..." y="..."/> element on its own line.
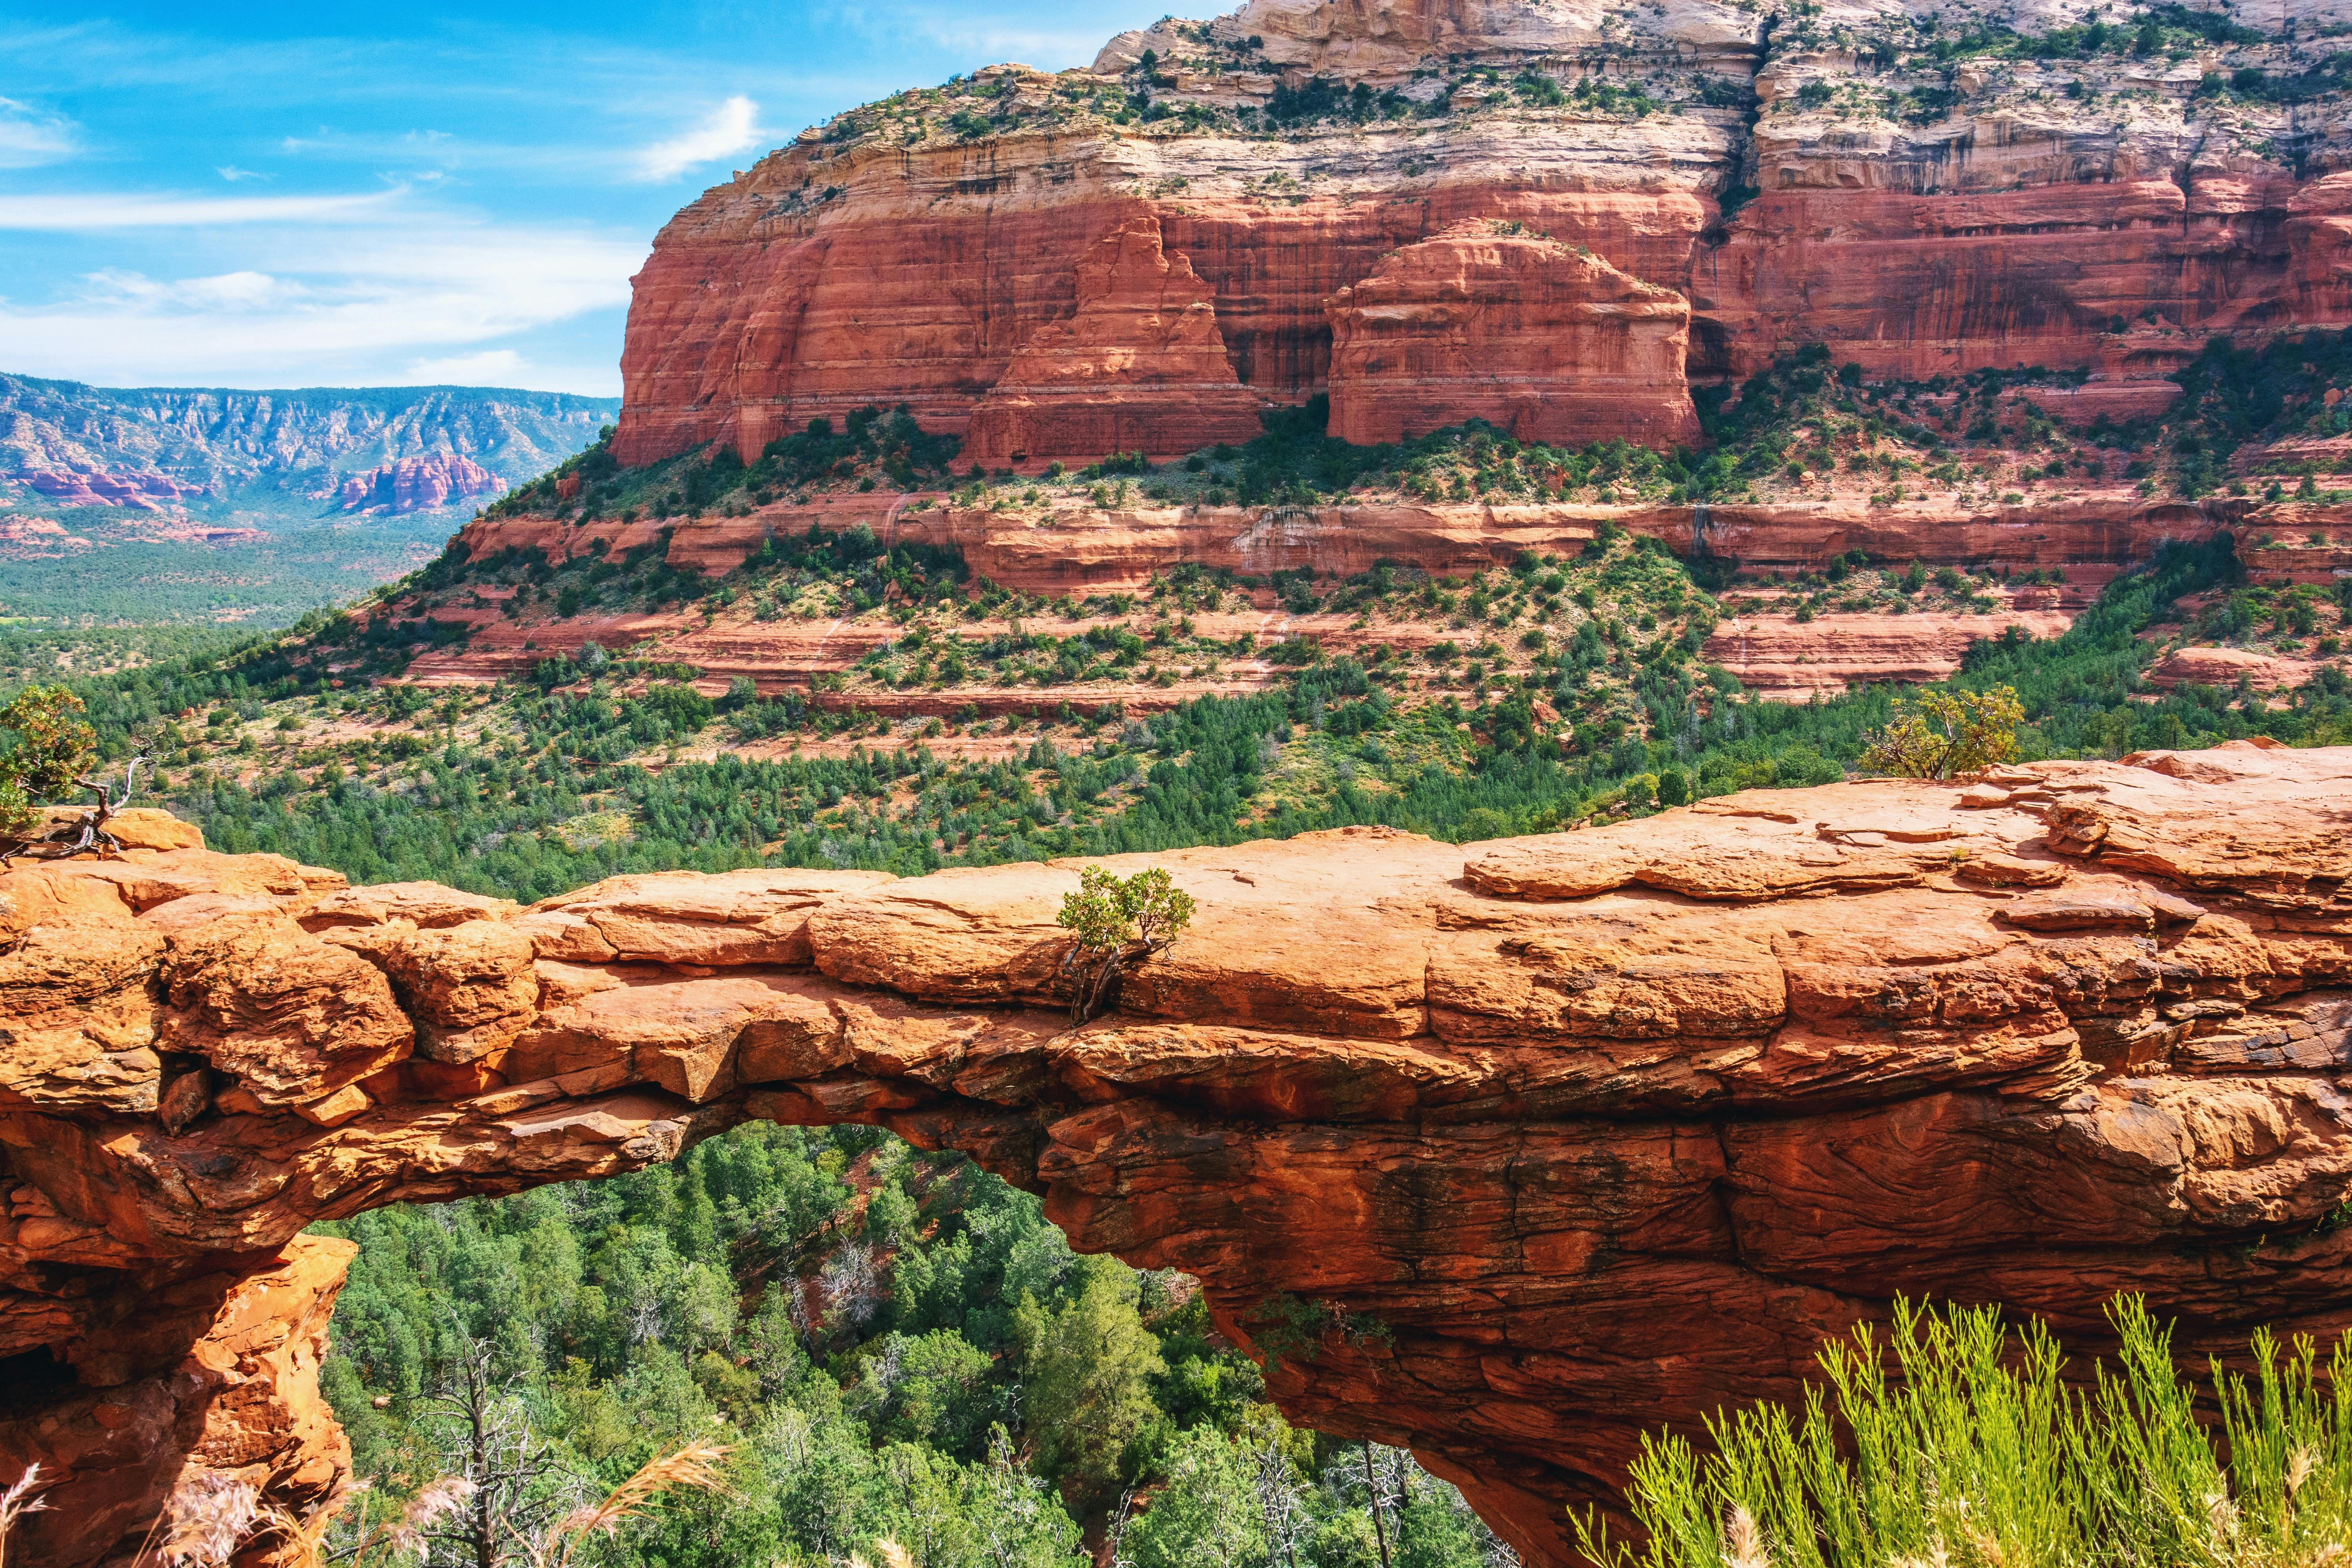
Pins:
<point x="1536" y="338"/>
<point x="1928" y="193"/>
<point x="1138" y="367"/>
<point x="1602" y="1129"/>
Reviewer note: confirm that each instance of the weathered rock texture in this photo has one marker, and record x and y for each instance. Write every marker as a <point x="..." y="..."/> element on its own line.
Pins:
<point x="1053" y="549"/>
<point x="1139" y="366"/>
<point x="1604" y="1127"/>
<point x="1794" y="174"/>
<point x="1488" y="321"/>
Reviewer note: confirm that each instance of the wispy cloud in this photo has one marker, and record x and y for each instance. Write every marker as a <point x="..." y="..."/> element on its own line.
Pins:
<point x="222" y="291"/>
<point x="30" y="137"/>
<point x="232" y="173"/>
<point x="83" y="214"/>
<point x="730" y="128"/>
<point x="492" y="367"/>
<point x="333" y="308"/>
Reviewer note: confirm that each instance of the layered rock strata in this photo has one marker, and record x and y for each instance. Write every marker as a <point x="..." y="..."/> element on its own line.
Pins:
<point x="1844" y="176"/>
<point x="1138" y="367"/>
<point x="425" y="483"/>
<point x="1053" y="549"/>
<point x="1542" y="339"/>
<point x="1600" y="1128"/>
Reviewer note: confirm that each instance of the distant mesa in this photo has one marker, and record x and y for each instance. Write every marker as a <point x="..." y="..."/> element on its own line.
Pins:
<point x="417" y="484"/>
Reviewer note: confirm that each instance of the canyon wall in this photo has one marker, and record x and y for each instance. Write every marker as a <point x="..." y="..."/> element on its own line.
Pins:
<point x="1599" y="1130"/>
<point x="1138" y="367"/>
<point x="1916" y="192"/>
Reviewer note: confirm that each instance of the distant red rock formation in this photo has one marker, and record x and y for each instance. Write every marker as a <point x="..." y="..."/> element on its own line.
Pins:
<point x="37" y="536"/>
<point x="97" y="487"/>
<point x="1541" y="338"/>
<point x="1299" y="149"/>
<point x="426" y="483"/>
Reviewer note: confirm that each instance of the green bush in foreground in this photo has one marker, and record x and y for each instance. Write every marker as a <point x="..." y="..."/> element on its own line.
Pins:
<point x="1973" y="1452"/>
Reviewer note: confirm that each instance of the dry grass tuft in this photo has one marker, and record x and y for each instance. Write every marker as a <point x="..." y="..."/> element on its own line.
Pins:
<point x="444" y="1497"/>
<point x="17" y="1501"/>
<point x="695" y="1466"/>
<point x="211" y="1516"/>
<point x="1743" y="1542"/>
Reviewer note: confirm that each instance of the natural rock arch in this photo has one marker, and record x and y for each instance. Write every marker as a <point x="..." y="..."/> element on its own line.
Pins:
<point x="1605" y="1127"/>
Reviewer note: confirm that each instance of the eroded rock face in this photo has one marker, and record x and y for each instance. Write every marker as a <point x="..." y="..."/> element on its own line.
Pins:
<point x="1083" y="549"/>
<point x="1139" y="365"/>
<point x="1539" y="337"/>
<point x="425" y="483"/>
<point x="1797" y="177"/>
<point x="1605" y="1128"/>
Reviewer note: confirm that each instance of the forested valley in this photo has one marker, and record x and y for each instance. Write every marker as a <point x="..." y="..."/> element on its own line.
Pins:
<point x="895" y="1350"/>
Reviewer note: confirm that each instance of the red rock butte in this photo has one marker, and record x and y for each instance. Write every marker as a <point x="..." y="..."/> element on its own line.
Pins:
<point x="1218" y="217"/>
<point x="417" y="484"/>
<point x="1604" y="1128"/>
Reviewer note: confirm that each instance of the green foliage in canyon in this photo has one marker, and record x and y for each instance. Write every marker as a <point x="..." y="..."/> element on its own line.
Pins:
<point x="893" y="1347"/>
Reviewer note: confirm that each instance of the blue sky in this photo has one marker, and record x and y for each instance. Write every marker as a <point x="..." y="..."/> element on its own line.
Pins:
<point x="325" y="193"/>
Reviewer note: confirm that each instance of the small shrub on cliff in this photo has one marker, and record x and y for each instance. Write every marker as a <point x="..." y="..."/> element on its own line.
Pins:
<point x="1117" y="920"/>
<point x="1971" y="1450"/>
<point x="53" y="743"/>
<point x="1947" y="734"/>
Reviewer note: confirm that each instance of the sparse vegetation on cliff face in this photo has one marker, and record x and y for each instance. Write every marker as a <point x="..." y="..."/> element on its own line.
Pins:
<point x="2291" y="388"/>
<point x="1116" y="922"/>
<point x="1805" y="427"/>
<point x="528" y="792"/>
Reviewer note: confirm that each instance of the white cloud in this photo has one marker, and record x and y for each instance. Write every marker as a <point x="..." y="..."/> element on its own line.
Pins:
<point x="223" y="291"/>
<point x="419" y="301"/>
<point x="77" y="214"/>
<point x="232" y="173"/>
<point x="492" y="367"/>
<point x="732" y="127"/>
<point x="30" y="137"/>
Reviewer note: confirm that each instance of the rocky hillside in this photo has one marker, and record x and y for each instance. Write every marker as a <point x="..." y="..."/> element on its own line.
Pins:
<point x="2015" y="293"/>
<point x="1563" y="219"/>
<point x="1589" y="1131"/>
<point x="229" y="457"/>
